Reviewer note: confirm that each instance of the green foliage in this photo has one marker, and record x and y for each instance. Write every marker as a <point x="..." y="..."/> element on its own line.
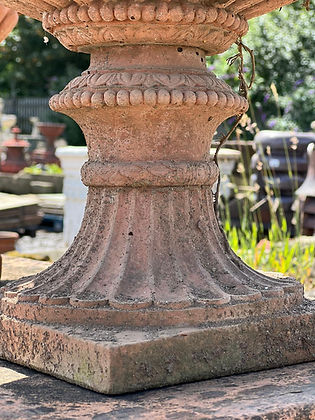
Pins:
<point x="278" y="253"/>
<point x="284" y="46"/>
<point x="34" y="64"/>
<point x="49" y="169"/>
<point x="272" y="249"/>
<point x="29" y="66"/>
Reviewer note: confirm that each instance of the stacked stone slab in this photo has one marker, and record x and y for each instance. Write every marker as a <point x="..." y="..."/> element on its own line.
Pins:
<point x="150" y="293"/>
<point x="280" y="167"/>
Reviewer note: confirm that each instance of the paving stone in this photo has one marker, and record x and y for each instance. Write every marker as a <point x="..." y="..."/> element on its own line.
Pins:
<point x="287" y="393"/>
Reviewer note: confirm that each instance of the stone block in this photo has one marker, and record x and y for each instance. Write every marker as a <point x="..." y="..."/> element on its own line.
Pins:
<point x="119" y="360"/>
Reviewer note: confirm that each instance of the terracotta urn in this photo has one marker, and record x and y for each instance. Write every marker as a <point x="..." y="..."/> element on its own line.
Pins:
<point x="50" y="131"/>
<point x="15" y="153"/>
<point x="150" y="293"/>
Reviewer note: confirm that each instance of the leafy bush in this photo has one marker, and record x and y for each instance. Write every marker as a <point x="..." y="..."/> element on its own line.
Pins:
<point x="34" y="63"/>
<point x="283" y="95"/>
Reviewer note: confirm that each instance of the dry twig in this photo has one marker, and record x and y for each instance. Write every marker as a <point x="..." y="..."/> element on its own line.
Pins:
<point x="243" y="91"/>
<point x="307" y="5"/>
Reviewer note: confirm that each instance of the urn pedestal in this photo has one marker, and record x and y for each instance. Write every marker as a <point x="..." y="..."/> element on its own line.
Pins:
<point x="306" y="194"/>
<point x="227" y="159"/>
<point x="15" y="153"/>
<point x="72" y="158"/>
<point x="51" y="131"/>
<point x="7" y="243"/>
<point x="150" y="293"/>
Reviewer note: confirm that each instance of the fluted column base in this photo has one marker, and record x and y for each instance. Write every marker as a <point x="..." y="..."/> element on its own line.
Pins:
<point x="135" y="304"/>
<point x="131" y="255"/>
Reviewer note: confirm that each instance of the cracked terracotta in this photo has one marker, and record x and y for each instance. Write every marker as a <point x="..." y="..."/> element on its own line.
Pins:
<point x="150" y="253"/>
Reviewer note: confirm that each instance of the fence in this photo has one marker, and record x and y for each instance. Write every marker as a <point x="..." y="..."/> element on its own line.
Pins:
<point x="25" y="108"/>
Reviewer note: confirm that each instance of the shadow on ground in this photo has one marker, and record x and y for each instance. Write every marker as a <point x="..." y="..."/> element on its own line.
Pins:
<point x="26" y="394"/>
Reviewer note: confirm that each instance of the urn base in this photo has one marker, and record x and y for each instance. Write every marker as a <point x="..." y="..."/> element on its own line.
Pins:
<point x="118" y="360"/>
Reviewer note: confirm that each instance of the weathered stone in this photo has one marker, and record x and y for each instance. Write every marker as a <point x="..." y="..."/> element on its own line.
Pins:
<point x="8" y="19"/>
<point x="115" y="360"/>
<point x="150" y="292"/>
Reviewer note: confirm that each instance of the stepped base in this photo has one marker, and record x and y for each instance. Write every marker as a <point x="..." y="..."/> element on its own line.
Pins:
<point x="115" y="361"/>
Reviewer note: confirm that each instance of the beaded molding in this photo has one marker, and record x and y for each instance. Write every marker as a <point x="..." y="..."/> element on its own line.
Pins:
<point x="131" y="97"/>
<point x="248" y="9"/>
<point x="139" y="88"/>
<point x="145" y="174"/>
<point x="160" y="13"/>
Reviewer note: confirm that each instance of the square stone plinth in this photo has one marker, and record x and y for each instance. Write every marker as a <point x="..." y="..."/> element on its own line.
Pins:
<point x="115" y="361"/>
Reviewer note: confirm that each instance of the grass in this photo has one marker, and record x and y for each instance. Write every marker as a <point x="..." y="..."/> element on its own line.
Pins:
<point x="276" y="252"/>
<point x="274" y="249"/>
<point x="49" y="169"/>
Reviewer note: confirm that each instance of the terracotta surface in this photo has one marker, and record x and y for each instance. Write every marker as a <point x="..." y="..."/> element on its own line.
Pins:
<point x="150" y="293"/>
<point x="8" y="19"/>
<point x="7" y="241"/>
<point x="37" y="8"/>
<point x="115" y="360"/>
<point x="285" y="394"/>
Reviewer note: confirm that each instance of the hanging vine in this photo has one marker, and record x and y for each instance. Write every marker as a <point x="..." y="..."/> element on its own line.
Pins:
<point x="244" y="87"/>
